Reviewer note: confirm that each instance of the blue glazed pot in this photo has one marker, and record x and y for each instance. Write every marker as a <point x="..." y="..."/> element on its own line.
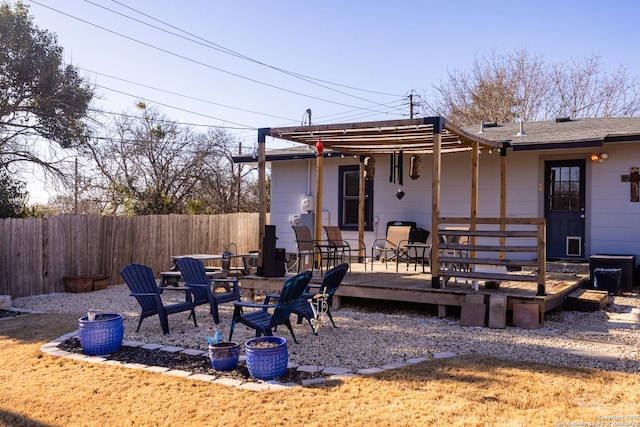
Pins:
<point x="224" y="356"/>
<point x="102" y="335"/>
<point x="267" y="363"/>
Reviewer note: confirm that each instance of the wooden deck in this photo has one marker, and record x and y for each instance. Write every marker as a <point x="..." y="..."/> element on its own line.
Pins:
<point x="415" y="287"/>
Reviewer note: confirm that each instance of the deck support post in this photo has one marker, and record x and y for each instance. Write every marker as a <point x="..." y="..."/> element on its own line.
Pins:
<point x="442" y="311"/>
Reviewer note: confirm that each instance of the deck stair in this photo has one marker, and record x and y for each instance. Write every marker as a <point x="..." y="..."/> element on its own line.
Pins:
<point x="586" y="300"/>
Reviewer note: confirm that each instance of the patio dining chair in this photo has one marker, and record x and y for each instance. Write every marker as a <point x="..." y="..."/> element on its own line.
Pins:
<point x="264" y="318"/>
<point x="313" y="253"/>
<point x="392" y="247"/>
<point x="205" y="289"/>
<point x="342" y="247"/>
<point x="142" y="283"/>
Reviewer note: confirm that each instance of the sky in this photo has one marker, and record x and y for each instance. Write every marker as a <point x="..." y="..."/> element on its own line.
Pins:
<point x="245" y="65"/>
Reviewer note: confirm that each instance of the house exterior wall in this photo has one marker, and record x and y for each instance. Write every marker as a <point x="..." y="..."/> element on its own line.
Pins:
<point x="612" y="220"/>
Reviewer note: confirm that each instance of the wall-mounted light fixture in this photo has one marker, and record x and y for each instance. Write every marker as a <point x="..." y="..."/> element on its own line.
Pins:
<point x="599" y="157"/>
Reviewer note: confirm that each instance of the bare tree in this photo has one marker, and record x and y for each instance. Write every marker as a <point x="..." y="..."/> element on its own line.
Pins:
<point x="226" y="187"/>
<point x="149" y="165"/>
<point x="519" y="85"/>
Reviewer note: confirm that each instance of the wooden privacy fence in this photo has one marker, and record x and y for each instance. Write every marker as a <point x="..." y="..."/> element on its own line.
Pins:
<point x="37" y="253"/>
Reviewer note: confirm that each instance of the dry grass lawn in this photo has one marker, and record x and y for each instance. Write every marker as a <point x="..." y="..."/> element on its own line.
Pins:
<point x="472" y="390"/>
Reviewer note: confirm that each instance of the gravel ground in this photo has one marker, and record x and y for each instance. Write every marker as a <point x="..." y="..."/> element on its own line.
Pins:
<point x="372" y="333"/>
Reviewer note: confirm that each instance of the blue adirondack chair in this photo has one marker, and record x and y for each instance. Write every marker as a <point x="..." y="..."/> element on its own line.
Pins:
<point x="266" y="317"/>
<point x="330" y="283"/>
<point x="204" y="288"/>
<point x="142" y="284"/>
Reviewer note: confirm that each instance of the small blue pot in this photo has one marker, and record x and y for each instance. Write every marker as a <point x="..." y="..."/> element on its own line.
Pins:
<point x="224" y="356"/>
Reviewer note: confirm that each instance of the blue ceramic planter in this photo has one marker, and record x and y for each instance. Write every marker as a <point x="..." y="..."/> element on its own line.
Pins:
<point x="224" y="356"/>
<point x="267" y="363"/>
<point x="102" y="335"/>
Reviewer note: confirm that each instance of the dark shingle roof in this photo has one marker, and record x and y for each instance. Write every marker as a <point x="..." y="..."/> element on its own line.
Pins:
<point x="563" y="134"/>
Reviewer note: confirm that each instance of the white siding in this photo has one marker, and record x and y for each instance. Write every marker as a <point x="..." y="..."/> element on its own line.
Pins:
<point x="613" y="222"/>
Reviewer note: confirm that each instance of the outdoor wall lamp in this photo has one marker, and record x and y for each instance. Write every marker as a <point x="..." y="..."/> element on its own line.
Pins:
<point x="599" y="157"/>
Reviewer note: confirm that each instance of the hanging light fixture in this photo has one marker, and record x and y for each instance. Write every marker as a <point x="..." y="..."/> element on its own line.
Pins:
<point x="414" y="167"/>
<point x="369" y="168"/>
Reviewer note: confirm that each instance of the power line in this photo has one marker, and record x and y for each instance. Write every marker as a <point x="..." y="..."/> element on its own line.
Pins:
<point x="181" y="95"/>
<point x="231" y="52"/>
<point x="198" y="62"/>
<point x="111" y="113"/>
<point x="243" y="126"/>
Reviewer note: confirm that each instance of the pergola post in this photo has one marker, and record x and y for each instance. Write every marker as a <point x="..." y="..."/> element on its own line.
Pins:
<point x="435" y="202"/>
<point x="361" y="202"/>
<point x="262" y="191"/>
<point x="319" y="190"/>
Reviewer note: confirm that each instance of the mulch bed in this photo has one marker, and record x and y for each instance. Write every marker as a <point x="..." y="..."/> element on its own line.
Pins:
<point x="175" y="361"/>
<point x="183" y="362"/>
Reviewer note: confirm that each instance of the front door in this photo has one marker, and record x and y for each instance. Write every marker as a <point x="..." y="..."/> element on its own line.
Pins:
<point x="564" y="208"/>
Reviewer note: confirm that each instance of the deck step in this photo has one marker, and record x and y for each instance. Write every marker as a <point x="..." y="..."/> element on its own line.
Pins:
<point x="586" y="300"/>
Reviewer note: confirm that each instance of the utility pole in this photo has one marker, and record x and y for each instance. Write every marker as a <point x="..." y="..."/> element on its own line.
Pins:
<point x="411" y="105"/>
<point x="238" y="178"/>
<point x="75" y="190"/>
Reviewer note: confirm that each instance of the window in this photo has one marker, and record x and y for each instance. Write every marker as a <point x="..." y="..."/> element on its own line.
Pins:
<point x="564" y="188"/>
<point x="349" y="189"/>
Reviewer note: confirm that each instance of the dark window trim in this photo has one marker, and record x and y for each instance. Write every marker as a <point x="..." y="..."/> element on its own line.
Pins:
<point x="369" y="193"/>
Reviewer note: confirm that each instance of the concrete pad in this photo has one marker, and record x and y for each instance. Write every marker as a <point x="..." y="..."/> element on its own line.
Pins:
<point x="276" y="386"/>
<point x="526" y="316"/>
<point x="312" y="381"/>
<point x="194" y="352"/>
<point x="443" y="355"/>
<point x="134" y="365"/>
<point x="177" y="373"/>
<point x="171" y="349"/>
<point x="228" y="382"/>
<point x="202" y="377"/>
<point x="370" y="371"/>
<point x="498" y="311"/>
<point x="255" y="386"/>
<point x="152" y="346"/>
<point x="342" y="376"/>
<point x="156" y="369"/>
<point x="310" y="368"/>
<point x="94" y="359"/>
<point x="393" y="365"/>
<point x="336" y="371"/>
<point x="133" y="344"/>
<point x="473" y="314"/>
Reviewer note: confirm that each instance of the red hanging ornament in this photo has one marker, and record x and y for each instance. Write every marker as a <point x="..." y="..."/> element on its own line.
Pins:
<point x="319" y="148"/>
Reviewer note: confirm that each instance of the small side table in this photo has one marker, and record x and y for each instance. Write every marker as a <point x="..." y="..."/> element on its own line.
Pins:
<point x="422" y="251"/>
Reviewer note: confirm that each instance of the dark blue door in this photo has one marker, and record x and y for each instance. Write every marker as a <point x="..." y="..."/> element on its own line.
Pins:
<point x="564" y="208"/>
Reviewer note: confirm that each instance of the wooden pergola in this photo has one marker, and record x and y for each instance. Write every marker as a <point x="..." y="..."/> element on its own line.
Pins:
<point x="430" y="136"/>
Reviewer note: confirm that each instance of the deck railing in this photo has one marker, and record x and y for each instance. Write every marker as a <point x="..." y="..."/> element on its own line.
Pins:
<point x="485" y="248"/>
